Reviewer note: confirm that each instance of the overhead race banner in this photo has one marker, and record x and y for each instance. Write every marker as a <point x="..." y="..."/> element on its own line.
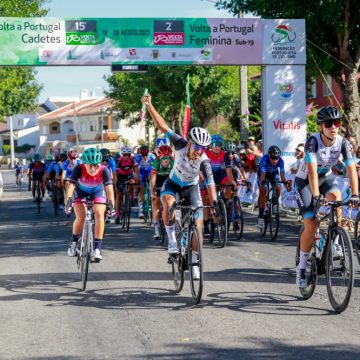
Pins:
<point x="107" y="41"/>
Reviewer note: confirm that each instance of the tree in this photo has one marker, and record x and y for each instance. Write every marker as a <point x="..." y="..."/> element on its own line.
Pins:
<point x="18" y="88"/>
<point x="333" y="32"/>
<point x="211" y="89"/>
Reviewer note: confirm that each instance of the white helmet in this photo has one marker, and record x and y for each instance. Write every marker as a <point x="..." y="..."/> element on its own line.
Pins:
<point x="200" y="136"/>
<point x="126" y="150"/>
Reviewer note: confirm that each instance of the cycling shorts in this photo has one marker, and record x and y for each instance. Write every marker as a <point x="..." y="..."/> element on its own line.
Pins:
<point x="191" y="194"/>
<point x="81" y="197"/>
<point x="275" y="177"/>
<point x="37" y="176"/>
<point x="121" y="181"/>
<point x="304" y="197"/>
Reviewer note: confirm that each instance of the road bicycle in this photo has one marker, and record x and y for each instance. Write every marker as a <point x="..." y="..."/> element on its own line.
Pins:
<point x="147" y="209"/>
<point x="126" y="207"/>
<point x="357" y="236"/>
<point x="272" y="209"/>
<point x="55" y="197"/>
<point x="38" y="198"/>
<point x="190" y="254"/>
<point x="332" y="257"/>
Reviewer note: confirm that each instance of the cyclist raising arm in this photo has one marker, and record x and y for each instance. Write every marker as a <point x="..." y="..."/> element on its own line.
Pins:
<point x="90" y="180"/>
<point x="190" y="160"/>
<point x="315" y="178"/>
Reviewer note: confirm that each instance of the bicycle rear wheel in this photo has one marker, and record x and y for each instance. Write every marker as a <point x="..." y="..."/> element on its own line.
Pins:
<point x="222" y="226"/>
<point x="274" y="220"/>
<point x="178" y="263"/>
<point x="195" y="261"/>
<point x="38" y="197"/>
<point x="56" y="201"/>
<point x="128" y="211"/>
<point x="266" y="219"/>
<point x="85" y="253"/>
<point x="162" y="232"/>
<point x="238" y="218"/>
<point x="356" y="245"/>
<point x="311" y="270"/>
<point x="339" y="270"/>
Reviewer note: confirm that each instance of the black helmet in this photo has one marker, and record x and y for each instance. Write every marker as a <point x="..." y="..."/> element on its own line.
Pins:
<point x="105" y="153"/>
<point x="63" y="156"/>
<point x="274" y="152"/>
<point x="328" y="113"/>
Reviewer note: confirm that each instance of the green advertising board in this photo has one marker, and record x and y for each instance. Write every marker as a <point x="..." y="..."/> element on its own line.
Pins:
<point x="106" y="41"/>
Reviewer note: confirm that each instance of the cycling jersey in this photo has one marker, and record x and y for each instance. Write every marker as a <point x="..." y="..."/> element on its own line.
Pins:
<point x="325" y="157"/>
<point x="219" y="163"/>
<point x="271" y="171"/>
<point x="68" y="167"/>
<point x="37" y="167"/>
<point x="58" y="168"/>
<point x="161" y="172"/>
<point x="90" y="184"/>
<point x="185" y="171"/>
<point x="111" y="164"/>
<point x="125" y="165"/>
<point x="18" y="169"/>
<point x="145" y="166"/>
<point x="50" y="166"/>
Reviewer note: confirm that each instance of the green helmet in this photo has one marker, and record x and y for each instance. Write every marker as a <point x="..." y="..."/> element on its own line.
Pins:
<point x="49" y="157"/>
<point x="91" y="156"/>
<point x="37" y="157"/>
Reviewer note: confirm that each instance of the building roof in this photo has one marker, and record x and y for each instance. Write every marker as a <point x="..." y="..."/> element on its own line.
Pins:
<point x="81" y="108"/>
<point x="3" y="126"/>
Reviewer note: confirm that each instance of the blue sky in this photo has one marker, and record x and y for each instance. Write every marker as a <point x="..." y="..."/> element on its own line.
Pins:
<point x="67" y="81"/>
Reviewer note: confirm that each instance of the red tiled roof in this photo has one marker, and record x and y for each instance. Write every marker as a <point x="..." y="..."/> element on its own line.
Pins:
<point x="82" y="107"/>
<point x="3" y="126"/>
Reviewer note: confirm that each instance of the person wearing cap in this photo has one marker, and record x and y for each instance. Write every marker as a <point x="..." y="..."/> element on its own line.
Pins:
<point x="251" y="151"/>
<point x="299" y="154"/>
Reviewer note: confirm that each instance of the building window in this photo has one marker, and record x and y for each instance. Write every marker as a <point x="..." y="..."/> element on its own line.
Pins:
<point x="327" y="86"/>
<point x="93" y="126"/>
<point x="54" y="128"/>
<point x="20" y="122"/>
<point x="311" y="89"/>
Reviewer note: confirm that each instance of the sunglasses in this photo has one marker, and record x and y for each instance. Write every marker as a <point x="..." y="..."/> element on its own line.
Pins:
<point x="165" y="158"/>
<point x="197" y="147"/>
<point x="126" y="155"/>
<point x="95" y="166"/>
<point x="329" y="124"/>
<point x="216" y="143"/>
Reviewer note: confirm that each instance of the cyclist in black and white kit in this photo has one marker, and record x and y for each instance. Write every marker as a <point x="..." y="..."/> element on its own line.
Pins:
<point x="315" y="178"/>
<point x="190" y="160"/>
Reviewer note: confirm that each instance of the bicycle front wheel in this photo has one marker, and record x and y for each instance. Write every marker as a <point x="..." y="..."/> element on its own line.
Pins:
<point x="311" y="270"/>
<point x="85" y="253"/>
<point x="195" y="261"/>
<point x="356" y="245"/>
<point x="339" y="270"/>
<point x="238" y="218"/>
<point x="38" y="198"/>
<point x="222" y="226"/>
<point x="128" y="211"/>
<point x="178" y="262"/>
<point x="274" y="220"/>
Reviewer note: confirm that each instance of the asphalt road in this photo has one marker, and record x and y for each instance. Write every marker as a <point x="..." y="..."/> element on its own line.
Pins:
<point x="251" y="308"/>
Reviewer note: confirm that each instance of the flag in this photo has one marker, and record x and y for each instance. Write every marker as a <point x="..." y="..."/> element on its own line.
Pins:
<point x="186" y="124"/>
<point x="142" y="115"/>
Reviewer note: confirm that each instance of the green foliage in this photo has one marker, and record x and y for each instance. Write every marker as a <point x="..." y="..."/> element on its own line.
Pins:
<point x="18" y="88"/>
<point x="6" y="149"/>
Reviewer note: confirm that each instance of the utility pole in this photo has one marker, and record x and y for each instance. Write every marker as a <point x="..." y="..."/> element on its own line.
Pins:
<point x="244" y="105"/>
<point x="12" y="146"/>
<point x="76" y="124"/>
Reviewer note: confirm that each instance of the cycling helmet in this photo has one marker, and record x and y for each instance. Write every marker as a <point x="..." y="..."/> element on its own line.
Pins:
<point x="91" y="156"/>
<point x="144" y="150"/>
<point x="274" y="152"/>
<point x="230" y="146"/>
<point x="199" y="136"/>
<point x="72" y="154"/>
<point x="63" y="157"/>
<point x="57" y="158"/>
<point x="37" y="157"/>
<point x="216" y="138"/>
<point x="49" y="157"/>
<point x="105" y="154"/>
<point x="164" y="150"/>
<point x="328" y="113"/>
<point x="125" y="150"/>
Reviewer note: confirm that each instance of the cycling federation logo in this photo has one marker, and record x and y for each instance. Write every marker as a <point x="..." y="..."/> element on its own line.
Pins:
<point x="44" y="54"/>
<point x="286" y="90"/>
<point x="206" y="54"/>
<point x="283" y="34"/>
<point x="169" y="32"/>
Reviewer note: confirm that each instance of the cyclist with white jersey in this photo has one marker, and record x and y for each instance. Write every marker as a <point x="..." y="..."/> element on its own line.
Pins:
<point x="315" y="178"/>
<point x="190" y="160"/>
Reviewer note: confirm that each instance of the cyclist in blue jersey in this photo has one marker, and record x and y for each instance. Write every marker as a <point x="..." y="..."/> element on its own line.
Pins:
<point x="19" y="172"/>
<point x="69" y="165"/>
<point x="144" y="160"/>
<point x="58" y="179"/>
<point x="50" y="165"/>
<point x="108" y="161"/>
<point x="36" y="171"/>
<point x="271" y="168"/>
<point x="315" y="178"/>
<point x="190" y="161"/>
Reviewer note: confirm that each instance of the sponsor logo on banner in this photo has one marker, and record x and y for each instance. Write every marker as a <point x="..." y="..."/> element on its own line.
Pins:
<point x="286" y="90"/>
<point x="283" y="34"/>
<point x="169" y="39"/>
<point x="44" y="54"/>
<point x="173" y="55"/>
<point x="81" y="39"/>
<point x="280" y="125"/>
<point x="73" y="56"/>
<point x="155" y="54"/>
<point x="206" y="54"/>
<point x="132" y="52"/>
